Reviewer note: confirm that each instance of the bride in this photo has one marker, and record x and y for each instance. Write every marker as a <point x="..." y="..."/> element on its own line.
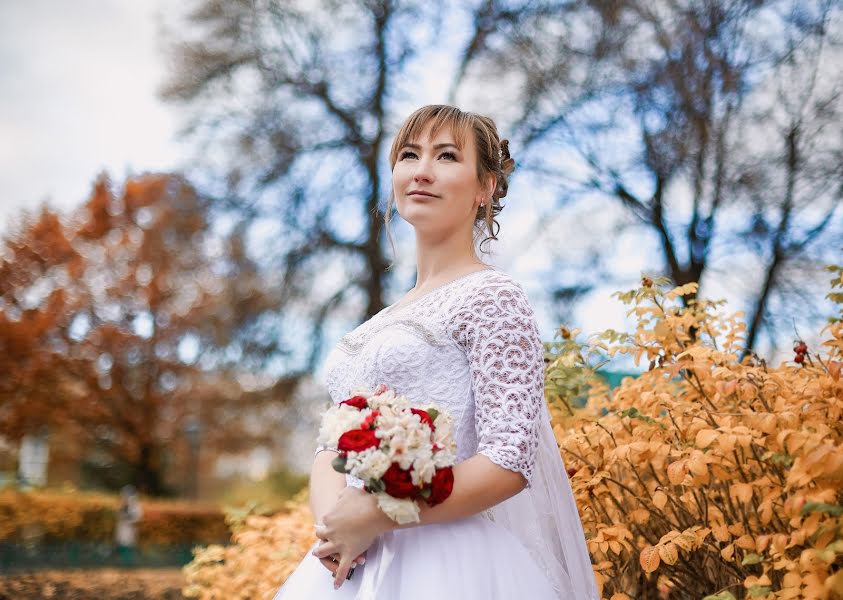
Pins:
<point x="465" y="338"/>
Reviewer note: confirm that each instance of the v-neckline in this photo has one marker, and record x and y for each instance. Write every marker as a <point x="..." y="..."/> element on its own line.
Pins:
<point x="397" y="307"/>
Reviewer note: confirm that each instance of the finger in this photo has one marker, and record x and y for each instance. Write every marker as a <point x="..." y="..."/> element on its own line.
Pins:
<point x="325" y="549"/>
<point x="330" y="565"/>
<point x="321" y="531"/>
<point x="361" y="560"/>
<point x="342" y="572"/>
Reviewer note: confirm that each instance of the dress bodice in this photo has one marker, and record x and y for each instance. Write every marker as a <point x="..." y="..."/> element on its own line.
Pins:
<point x="472" y="347"/>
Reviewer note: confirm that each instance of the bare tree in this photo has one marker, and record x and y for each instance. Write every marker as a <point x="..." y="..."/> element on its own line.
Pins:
<point x="295" y="103"/>
<point x="715" y="126"/>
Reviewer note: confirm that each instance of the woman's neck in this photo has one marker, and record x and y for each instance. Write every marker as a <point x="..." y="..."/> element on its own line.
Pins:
<point x="437" y="263"/>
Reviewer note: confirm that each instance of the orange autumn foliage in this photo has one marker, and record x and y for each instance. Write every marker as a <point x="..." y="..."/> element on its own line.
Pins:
<point x="707" y="477"/>
<point x="265" y="550"/>
<point x="63" y="515"/>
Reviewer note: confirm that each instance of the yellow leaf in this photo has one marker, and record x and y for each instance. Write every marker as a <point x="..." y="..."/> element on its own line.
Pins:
<point x="649" y="559"/>
<point x="728" y="552"/>
<point x="615" y="546"/>
<point x="697" y="464"/>
<point x="741" y="491"/>
<point x="668" y="553"/>
<point x="676" y="472"/>
<point x="705" y="437"/>
<point x="686" y="540"/>
<point x="721" y="533"/>
<point x="659" y="499"/>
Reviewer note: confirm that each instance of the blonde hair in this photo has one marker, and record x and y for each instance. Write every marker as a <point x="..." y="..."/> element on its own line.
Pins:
<point x="492" y="157"/>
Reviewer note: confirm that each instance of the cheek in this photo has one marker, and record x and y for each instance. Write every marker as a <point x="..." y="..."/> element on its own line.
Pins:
<point x="400" y="178"/>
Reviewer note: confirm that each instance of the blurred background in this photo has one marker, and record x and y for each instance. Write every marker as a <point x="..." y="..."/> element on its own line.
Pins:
<point x="193" y="197"/>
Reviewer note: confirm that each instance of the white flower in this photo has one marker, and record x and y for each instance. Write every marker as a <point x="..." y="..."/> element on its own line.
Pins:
<point x="337" y="420"/>
<point x="444" y="458"/>
<point x="423" y="469"/>
<point x="372" y="463"/>
<point x="399" y="510"/>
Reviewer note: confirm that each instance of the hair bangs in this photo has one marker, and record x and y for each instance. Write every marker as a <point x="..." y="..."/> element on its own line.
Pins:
<point x="439" y="118"/>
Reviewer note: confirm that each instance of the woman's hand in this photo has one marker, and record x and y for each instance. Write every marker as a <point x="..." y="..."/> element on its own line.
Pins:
<point x="349" y="528"/>
<point x="332" y="562"/>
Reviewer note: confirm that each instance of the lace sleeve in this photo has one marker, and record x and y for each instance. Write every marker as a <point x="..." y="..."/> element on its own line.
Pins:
<point x="497" y="330"/>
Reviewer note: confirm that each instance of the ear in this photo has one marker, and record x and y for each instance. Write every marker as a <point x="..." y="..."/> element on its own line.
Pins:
<point x="493" y="185"/>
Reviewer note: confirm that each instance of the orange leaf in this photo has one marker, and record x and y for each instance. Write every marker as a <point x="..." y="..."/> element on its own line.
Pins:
<point x="705" y="437"/>
<point x="649" y="559"/>
<point x="676" y="472"/>
<point x="668" y="553"/>
<point x="741" y="491"/>
<point x="686" y="540"/>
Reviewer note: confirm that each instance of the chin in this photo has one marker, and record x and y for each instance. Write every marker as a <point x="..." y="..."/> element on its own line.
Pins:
<point x="416" y="213"/>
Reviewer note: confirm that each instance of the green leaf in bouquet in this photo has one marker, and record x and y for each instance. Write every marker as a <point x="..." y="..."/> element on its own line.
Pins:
<point x="425" y="493"/>
<point x="339" y="463"/>
<point x="375" y="486"/>
<point x="433" y="413"/>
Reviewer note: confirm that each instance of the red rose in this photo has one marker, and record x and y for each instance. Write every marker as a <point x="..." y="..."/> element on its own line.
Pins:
<point x="357" y="440"/>
<point x="357" y="402"/>
<point x="369" y="422"/>
<point x="399" y="483"/>
<point x="424" y="416"/>
<point x="441" y="486"/>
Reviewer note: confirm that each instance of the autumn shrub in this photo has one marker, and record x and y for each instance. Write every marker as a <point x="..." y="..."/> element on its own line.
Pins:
<point x="57" y="516"/>
<point x="706" y="476"/>
<point x="265" y="550"/>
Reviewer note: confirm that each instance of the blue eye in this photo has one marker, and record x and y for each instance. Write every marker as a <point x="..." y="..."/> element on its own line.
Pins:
<point x="449" y="155"/>
<point x="407" y="154"/>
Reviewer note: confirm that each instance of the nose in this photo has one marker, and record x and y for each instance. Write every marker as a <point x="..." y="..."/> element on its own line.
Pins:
<point x="424" y="171"/>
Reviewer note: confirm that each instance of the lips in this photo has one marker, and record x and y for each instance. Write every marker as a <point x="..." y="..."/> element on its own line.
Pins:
<point x="421" y="193"/>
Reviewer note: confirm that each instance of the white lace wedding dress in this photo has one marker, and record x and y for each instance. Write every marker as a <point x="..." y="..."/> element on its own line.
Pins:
<point x="472" y="346"/>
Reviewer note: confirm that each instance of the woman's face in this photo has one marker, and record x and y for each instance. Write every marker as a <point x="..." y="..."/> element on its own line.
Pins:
<point x="435" y="183"/>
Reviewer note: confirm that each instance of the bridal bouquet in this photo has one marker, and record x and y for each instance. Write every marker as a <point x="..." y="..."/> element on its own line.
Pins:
<point x="402" y="454"/>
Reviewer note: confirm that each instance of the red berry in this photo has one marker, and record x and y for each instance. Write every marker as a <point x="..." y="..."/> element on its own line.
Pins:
<point x="799" y="358"/>
<point x="800" y="348"/>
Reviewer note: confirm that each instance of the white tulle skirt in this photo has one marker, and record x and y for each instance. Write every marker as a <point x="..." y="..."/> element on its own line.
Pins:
<point x="469" y="559"/>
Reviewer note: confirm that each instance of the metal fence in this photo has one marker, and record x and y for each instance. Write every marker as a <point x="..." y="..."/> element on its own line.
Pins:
<point x="86" y="554"/>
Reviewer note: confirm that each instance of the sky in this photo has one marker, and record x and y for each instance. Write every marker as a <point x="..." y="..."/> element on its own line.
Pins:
<point x="78" y="85"/>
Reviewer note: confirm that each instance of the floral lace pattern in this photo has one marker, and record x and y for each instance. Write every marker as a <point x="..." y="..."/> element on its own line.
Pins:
<point x="471" y="346"/>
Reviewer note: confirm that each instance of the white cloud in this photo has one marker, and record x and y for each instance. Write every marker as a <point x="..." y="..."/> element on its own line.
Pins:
<point x="79" y="82"/>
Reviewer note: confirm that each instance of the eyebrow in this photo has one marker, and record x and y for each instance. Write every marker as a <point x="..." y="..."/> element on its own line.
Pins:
<point x="436" y="147"/>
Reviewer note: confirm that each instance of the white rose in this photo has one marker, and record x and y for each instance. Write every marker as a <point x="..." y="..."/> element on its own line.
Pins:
<point x="399" y="510"/>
